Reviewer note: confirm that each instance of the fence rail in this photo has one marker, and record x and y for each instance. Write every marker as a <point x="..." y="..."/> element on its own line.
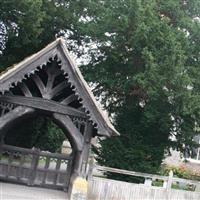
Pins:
<point x="34" y="167"/>
<point x="100" y="187"/>
<point x="33" y="151"/>
<point x="130" y="173"/>
<point x="166" y="179"/>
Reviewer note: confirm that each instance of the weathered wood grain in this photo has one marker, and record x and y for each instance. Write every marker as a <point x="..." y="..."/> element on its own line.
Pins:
<point x="43" y="104"/>
<point x="21" y="165"/>
<point x="105" y="189"/>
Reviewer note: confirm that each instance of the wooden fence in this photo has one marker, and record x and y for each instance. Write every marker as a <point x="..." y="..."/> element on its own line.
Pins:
<point x="171" y="188"/>
<point x="34" y="167"/>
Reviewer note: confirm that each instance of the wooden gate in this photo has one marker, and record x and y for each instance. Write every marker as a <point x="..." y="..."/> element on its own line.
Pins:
<point x="34" y="167"/>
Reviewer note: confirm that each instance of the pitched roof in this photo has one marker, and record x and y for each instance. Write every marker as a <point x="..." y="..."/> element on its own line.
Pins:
<point x="18" y="72"/>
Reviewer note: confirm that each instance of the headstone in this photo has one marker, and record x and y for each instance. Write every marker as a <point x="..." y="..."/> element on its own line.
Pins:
<point x="66" y="147"/>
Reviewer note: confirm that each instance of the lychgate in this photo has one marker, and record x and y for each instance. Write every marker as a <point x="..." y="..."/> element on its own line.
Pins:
<point x="49" y="83"/>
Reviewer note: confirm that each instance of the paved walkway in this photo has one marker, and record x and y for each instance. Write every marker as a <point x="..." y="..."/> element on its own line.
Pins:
<point x="19" y="192"/>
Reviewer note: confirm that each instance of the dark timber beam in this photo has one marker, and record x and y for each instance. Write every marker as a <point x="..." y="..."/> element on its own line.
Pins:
<point x="44" y="105"/>
<point x="69" y="99"/>
<point x="72" y="133"/>
<point x="13" y="117"/>
<point x="21" y="113"/>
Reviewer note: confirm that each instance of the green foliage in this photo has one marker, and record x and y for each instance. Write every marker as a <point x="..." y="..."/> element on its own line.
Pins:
<point x="143" y="58"/>
<point x="180" y="172"/>
<point x="135" y="145"/>
<point x="157" y="183"/>
<point x="41" y="133"/>
<point x="20" y="28"/>
<point x="187" y="187"/>
<point x="28" y="25"/>
<point x="146" y="66"/>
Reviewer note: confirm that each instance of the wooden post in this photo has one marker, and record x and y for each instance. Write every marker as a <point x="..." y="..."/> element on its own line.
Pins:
<point x="21" y="162"/>
<point x="1" y="146"/>
<point x="58" y="164"/>
<point x="10" y="159"/>
<point x="79" y="189"/>
<point x="148" y="182"/>
<point x="34" y="165"/>
<point x="86" y="149"/>
<point x="170" y="180"/>
<point x="165" y="184"/>
<point x="68" y="173"/>
<point x="47" y="163"/>
<point x="91" y="168"/>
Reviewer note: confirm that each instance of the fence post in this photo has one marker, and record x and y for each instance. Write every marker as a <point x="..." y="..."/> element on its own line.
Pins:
<point x="68" y="174"/>
<point x="91" y="168"/>
<point x="1" y="146"/>
<point x="165" y="184"/>
<point x="148" y="182"/>
<point x="34" y="164"/>
<point x="170" y="180"/>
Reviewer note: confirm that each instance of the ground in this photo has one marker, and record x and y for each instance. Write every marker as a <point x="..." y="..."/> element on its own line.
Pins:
<point x="20" y="192"/>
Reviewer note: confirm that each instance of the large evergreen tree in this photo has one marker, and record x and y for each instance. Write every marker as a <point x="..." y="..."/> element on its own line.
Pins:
<point x="141" y="55"/>
<point x="26" y="26"/>
<point x="146" y="65"/>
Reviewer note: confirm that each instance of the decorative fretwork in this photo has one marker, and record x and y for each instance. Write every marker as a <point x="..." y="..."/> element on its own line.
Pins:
<point x="46" y="83"/>
<point x="80" y="124"/>
<point x="51" y="74"/>
<point x="5" y="108"/>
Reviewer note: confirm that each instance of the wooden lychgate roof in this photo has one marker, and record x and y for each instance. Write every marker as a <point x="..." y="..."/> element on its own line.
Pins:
<point x="57" y="49"/>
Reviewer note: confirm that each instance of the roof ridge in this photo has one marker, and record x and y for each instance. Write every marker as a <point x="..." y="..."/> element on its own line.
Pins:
<point x="35" y="62"/>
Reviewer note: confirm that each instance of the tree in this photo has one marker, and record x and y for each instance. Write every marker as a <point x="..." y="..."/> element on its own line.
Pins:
<point x="142" y="56"/>
<point x="26" y="26"/>
<point x="145" y="63"/>
<point x="41" y="133"/>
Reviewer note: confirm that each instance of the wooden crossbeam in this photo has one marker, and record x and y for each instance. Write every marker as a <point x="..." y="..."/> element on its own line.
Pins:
<point x="43" y="104"/>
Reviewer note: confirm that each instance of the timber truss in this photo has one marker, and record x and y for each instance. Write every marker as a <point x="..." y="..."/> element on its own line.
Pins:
<point x="49" y="83"/>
